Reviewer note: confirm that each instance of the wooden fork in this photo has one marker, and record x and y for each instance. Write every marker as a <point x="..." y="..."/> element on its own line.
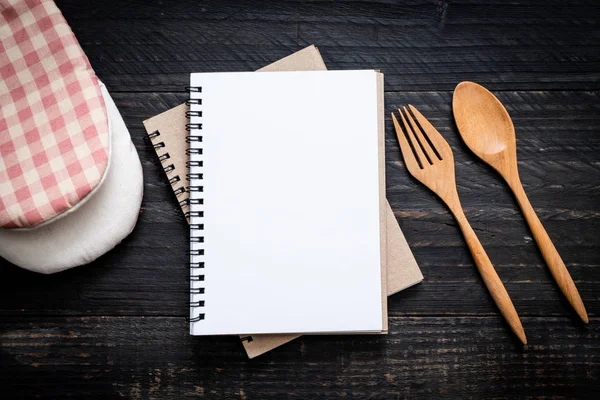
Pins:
<point x="429" y="158"/>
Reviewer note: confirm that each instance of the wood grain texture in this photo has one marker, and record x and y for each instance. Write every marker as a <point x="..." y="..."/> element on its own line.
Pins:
<point x="116" y="329"/>
<point x="517" y="45"/>
<point x="154" y="358"/>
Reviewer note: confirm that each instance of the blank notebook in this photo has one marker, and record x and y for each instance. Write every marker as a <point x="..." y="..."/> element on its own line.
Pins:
<point x="285" y="203"/>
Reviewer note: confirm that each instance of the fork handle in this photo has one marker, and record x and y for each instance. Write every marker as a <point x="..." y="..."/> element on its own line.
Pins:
<point x="553" y="260"/>
<point x="490" y="277"/>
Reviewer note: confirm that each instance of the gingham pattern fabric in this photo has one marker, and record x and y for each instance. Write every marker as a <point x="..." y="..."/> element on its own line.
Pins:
<point x="54" y="137"/>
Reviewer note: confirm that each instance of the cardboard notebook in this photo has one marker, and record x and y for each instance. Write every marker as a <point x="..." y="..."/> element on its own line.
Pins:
<point x="167" y="133"/>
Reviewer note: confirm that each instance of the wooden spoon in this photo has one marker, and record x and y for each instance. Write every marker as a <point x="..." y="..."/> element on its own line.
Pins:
<point x="488" y="131"/>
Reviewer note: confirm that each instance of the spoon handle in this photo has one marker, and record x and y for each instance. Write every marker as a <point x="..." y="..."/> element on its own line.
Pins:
<point x="553" y="260"/>
<point x="489" y="275"/>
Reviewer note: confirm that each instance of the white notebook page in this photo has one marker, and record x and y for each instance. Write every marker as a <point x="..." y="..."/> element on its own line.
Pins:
<point x="290" y="193"/>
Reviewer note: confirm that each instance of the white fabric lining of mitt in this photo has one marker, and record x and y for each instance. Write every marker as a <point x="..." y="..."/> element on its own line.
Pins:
<point x="95" y="227"/>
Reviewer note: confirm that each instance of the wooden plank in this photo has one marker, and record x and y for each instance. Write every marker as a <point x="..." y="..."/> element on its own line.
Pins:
<point x="242" y="10"/>
<point x="144" y="286"/>
<point x="562" y="181"/>
<point x="420" y="48"/>
<point x="147" y="275"/>
<point x="557" y="149"/>
<point x="265" y="10"/>
<point x="505" y="47"/>
<point x="151" y="358"/>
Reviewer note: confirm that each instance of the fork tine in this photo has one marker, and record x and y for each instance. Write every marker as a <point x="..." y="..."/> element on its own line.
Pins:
<point x="425" y="146"/>
<point x="413" y="141"/>
<point x="409" y="157"/>
<point x="439" y="143"/>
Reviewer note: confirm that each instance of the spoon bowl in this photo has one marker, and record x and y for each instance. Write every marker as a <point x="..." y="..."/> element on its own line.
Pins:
<point x="485" y="126"/>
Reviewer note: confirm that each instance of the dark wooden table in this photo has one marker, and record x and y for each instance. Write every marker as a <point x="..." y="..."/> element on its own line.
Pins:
<point x="116" y="328"/>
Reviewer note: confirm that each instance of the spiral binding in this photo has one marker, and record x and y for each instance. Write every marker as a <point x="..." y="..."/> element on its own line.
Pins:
<point x="196" y="252"/>
<point x="164" y="157"/>
<point x="169" y="168"/>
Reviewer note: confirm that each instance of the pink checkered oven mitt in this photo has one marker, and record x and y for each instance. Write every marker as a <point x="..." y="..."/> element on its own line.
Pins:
<point x="54" y="136"/>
